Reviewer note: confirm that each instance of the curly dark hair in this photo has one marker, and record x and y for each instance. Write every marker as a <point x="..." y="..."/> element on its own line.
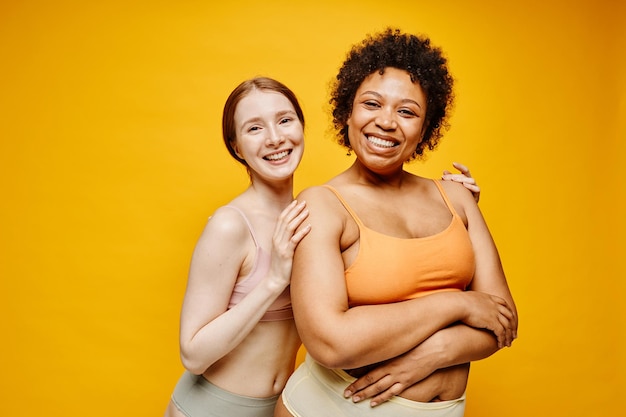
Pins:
<point x="412" y="53"/>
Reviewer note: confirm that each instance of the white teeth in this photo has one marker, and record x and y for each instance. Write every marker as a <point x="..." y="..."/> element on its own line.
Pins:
<point x="277" y="156"/>
<point x="381" y="142"/>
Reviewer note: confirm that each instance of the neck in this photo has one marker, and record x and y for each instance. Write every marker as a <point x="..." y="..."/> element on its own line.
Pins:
<point x="387" y="178"/>
<point x="272" y="194"/>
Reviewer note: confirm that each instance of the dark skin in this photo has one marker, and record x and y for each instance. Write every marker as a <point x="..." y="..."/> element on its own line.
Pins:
<point x="384" y="131"/>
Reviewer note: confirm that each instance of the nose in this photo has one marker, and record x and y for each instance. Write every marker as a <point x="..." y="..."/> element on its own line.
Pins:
<point x="274" y="136"/>
<point x="386" y="119"/>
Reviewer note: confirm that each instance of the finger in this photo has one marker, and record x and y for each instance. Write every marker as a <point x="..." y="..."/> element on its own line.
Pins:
<point x="506" y="311"/>
<point x="287" y="209"/>
<point x="470" y="183"/>
<point x="300" y="234"/>
<point x="292" y="211"/>
<point x="363" y="382"/>
<point x="465" y="170"/>
<point x="474" y="189"/>
<point x="283" y="218"/>
<point x="394" y="390"/>
<point x="297" y="226"/>
<point x="512" y="327"/>
<point x="381" y="386"/>
<point x="288" y="236"/>
<point x="298" y="217"/>
<point x="291" y="218"/>
<point x="459" y="178"/>
<point x="508" y="332"/>
<point x="499" y="331"/>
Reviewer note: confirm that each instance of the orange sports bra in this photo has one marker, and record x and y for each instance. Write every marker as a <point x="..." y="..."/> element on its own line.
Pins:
<point x="388" y="269"/>
<point x="281" y="307"/>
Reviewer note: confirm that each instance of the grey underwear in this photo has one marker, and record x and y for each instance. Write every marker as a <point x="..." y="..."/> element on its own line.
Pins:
<point x="194" y="396"/>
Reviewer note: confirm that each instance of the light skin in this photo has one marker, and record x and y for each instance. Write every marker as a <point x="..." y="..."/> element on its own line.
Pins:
<point x="423" y="364"/>
<point x="231" y="347"/>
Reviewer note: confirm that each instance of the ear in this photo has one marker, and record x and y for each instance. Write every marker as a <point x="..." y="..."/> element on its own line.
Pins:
<point x="233" y="144"/>
<point x="424" y="129"/>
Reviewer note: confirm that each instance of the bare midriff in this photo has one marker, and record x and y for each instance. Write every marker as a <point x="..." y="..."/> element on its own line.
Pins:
<point x="260" y="366"/>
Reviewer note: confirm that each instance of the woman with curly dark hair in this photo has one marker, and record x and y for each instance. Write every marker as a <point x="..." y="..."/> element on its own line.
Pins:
<point x="399" y="285"/>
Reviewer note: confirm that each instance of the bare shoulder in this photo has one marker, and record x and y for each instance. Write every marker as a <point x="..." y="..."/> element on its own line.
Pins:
<point x="461" y="199"/>
<point x="325" y="208"/>
<point x="316" y="192"/>
<point x="457" y="193"/>
<point x="319" y="198"/>
<point x="225" y="225"/>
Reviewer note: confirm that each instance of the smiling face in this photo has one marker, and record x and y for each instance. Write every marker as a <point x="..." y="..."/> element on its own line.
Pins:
<point x="269" y="134"/>
<point x="387" y="120"/>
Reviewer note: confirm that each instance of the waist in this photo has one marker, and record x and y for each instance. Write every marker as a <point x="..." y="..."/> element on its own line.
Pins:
<point x="337" y="380"/>
<point x="257" y="368"/>
<point x="443" y="385"/>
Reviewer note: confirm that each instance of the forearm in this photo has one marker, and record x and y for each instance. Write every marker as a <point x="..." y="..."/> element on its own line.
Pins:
<point x="459" y="344"/>
<point x="438" y="365"/>
<point x="215" y="339"/>
<point x="362" y="335"/>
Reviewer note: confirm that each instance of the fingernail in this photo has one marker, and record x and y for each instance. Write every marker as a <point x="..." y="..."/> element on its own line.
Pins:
<point x="373" y="404"/>
<point x="347" y="393"/>
<point x="356" y="398"/>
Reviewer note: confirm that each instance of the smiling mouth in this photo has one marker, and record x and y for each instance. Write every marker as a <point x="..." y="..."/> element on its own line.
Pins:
<point x="277" y="156"/>
<point x="381" y="142"/>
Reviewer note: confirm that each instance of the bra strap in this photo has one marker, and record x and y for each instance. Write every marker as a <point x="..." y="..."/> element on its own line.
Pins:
<point x="345" y="205"/>
<point x="445" y="197"/>
<point x="237" y="209"/>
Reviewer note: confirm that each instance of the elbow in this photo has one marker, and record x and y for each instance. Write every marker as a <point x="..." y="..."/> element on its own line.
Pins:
<point x="191" y="363"/>
<point x="332" y="357"/>
<point x="327" y="360"/>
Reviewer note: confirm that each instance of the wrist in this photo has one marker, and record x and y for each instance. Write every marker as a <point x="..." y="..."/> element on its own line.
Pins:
<point x="275" y="284"/>
<point x="439" y="349"/>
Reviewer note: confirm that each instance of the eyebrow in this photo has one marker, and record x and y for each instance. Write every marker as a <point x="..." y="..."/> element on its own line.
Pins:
<point x="280" y="113"/>
<point x="404" y="100"/>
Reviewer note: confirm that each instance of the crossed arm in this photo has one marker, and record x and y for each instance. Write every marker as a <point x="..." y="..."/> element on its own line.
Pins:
<point x="425" y="331"/>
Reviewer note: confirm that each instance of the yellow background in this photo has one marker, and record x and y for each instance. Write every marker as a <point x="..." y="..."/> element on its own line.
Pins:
<point x="111" y="160"/>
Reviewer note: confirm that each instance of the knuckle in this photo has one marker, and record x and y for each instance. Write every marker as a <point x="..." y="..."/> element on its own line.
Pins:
<point x="395" y="391"/>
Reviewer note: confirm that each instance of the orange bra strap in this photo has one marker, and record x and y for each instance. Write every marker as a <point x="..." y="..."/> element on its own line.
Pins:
<point x="345" y="205"/>
<point x="445" y="198"/>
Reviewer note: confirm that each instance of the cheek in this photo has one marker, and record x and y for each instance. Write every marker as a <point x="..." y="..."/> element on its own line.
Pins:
<point x="414" y="131"/>
<point x="296" y="135"/>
